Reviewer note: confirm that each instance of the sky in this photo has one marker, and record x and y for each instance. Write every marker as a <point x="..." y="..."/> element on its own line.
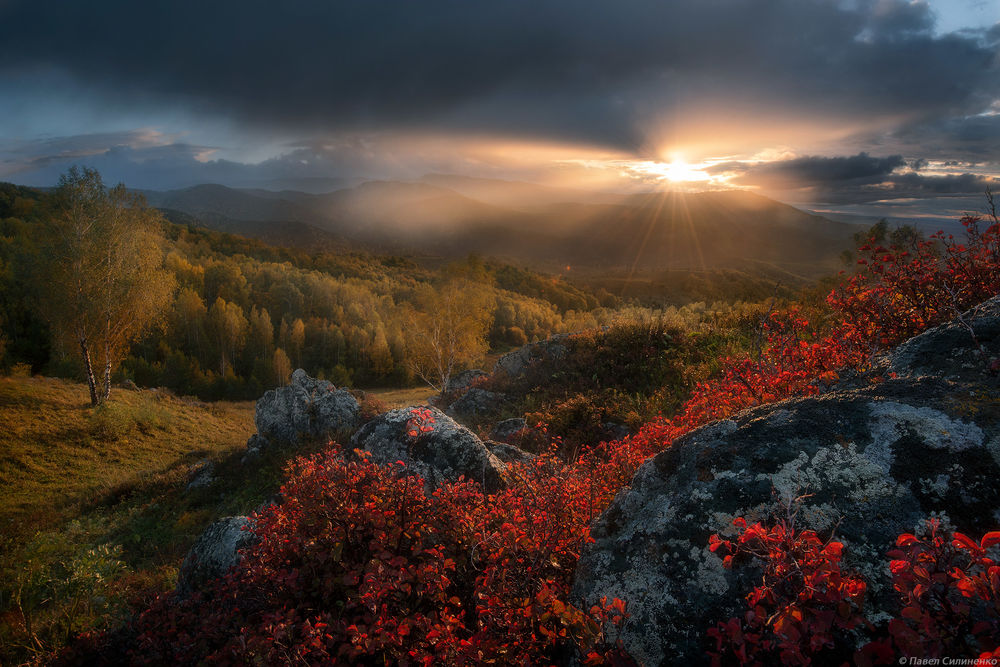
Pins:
<point x="836" y="103"/>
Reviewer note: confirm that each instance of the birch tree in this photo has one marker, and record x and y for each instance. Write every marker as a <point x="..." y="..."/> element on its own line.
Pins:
<point x="448" y="330"/>
<point x="103" y="284"/>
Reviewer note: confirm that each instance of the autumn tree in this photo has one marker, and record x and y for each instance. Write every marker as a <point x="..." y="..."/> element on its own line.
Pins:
<point x="447" y="330"/>
<point x="282" y="366"/>
<point x="101" y="272"/>
<point x="229" y="327"/>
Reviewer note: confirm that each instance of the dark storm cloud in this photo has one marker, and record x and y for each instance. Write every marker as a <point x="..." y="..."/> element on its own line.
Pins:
<point x="587" y="70"/>
<point x="855" y="178"/>
<point x="812" y="171"/>
<point x="975" y="138"/>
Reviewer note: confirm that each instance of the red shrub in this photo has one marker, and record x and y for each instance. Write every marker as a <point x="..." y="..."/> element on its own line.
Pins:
<point x="802" y="609"/>
<point x="359" y="565"/>
<point x="949" y="593"/>
<point x="806" y="607"/>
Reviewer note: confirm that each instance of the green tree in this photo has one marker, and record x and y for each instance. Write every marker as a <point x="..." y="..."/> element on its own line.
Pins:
<point x="101" y="267"/>
<point x="448" y="329"/>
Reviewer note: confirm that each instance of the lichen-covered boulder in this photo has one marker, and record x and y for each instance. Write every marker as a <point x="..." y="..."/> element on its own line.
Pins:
<point x="515" y="362"/>
<point x="509" y="429"/>
<point x="508" y="453"/>
<point x="466" y="379"/>
<point x="952" y="351"/>
<point x="476" y="404"/>
<point x="214" y="553"/>
<point x="306" y="409"/>
<point x="445" y="453"/>
<point x="873" y="462"/>
<point x="201" y="475"/>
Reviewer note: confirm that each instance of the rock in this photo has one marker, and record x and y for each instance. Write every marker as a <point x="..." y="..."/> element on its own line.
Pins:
<point x="878" y="460"/>
<point x="307" y="409"/>
<point x="201" y="475"/>
<point x="508" y="453"/>
<point x="256" y="445"/>
<point x="129" y="385"/>
<point x="214" y="554"/>
<point x="446" y="453"/>
<point x="950" y="350"/>
<point x="515" y="362"/>
<point x="476" y="404"/>
<point x="466" y="379"/>
<point x="509" y="429"/>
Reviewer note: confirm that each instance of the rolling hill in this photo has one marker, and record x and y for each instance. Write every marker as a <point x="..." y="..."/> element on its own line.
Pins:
<point x="545" y="228"/>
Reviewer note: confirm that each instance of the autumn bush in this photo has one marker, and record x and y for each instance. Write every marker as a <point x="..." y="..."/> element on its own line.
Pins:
<point x="807" y="609"/>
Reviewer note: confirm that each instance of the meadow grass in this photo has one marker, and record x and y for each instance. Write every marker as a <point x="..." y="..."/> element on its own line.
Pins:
<point x="95" y="517"/>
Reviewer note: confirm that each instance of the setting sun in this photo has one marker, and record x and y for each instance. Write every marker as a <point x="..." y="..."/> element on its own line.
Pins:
<point x="681" y="171"/>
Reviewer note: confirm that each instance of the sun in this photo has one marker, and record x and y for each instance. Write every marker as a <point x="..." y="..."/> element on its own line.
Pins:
<point x="679" y="171"/>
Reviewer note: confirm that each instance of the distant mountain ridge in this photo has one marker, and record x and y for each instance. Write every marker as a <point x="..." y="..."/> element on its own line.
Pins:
<point x="543" y="227"/>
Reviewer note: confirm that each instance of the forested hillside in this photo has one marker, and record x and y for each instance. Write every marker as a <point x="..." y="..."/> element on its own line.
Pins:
<point x="245" y="313"/>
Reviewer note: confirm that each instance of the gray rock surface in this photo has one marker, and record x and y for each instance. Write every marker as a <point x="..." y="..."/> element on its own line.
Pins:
<point x="508" y="429"/>
<point x="201" y="475"/>
<point x="306" y="409"/>
<point x="446" y="453"/>
<point x="878" y="460"/>
<point x="615" y="431"/>
<point x="466" y="379"/>
<point x="476" y="404"/>
<point x="508" y="453"/>
<point x="515" y="362"/>
<point x="214" y="554"/>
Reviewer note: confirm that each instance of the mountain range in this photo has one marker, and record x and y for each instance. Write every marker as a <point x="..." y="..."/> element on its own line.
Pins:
<point x="555" y="229"/>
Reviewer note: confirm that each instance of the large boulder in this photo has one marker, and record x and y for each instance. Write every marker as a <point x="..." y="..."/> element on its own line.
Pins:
<point x="476" y="404"/>
<point x="516" y="362"/>
<point x="306" y="409"/>
<point x="873" y="462"/>
<point x="509" y="453"/>
<point x="509" y="430"/>
<point x="466" y="379"/>
<point x="215" y="552"/>
<point x="445" y="453"/>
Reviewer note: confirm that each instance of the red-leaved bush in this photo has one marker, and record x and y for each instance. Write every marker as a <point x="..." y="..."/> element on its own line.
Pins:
<point x="949" y="593"/>
<point x="806" y="606"/>
<point x="802" y="609"/>
<point x="359" y="565"/>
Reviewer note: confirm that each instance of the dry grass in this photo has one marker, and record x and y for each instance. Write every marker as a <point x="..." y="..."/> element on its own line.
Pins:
<point x="58" y="452"/>
<point x="403" y="398"/>
<point x="94" y="515"/>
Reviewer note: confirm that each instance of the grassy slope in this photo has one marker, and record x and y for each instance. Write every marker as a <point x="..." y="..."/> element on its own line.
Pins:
<point x="59" y="453"/>
<point x="94" y="512"/>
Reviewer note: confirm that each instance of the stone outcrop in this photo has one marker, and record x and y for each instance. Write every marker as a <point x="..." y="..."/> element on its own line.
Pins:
<point x="214" y="554"/>
<point x="875" y="460"/>
<point x="466" y="379"/>
<point x="509" y="430"/>
<point x="201" y="475"/>
<point x="508" y="453"/>
<point x="306" y="409"/>
<point x="515" y="362"/>
<point x="476" y="404"/>
<point x="445" y="453"/>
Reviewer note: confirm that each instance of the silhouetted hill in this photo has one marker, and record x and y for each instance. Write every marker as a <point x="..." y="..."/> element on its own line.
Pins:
<point x="594" y="232"/>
